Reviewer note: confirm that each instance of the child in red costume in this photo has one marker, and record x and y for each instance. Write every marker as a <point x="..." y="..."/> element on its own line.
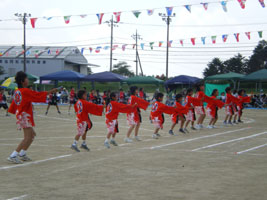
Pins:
<point x="72" y="98"/>
<point x="112" y="112"/>
<point x="134" y="119"/>
<point x="240" y="106"/>
<point x="212" y="108"/>
<point x="22" y="107"/>
<point x="157" y="116"/>
<point x="178" y="116"/>
<point x="190" y="102"/>
<point x="229" y="100"/>
<point x="84" y="123"/>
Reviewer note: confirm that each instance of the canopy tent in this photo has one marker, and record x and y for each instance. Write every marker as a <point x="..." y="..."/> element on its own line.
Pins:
<point x="143" y="80"/>
<point x="104" y="77"/>
<point x="259" y="76"/>
<point x="66" y="75"/>
<point x="32" y="77"/>
<point x="227" y="76"/>
<point x="181" y="80"/>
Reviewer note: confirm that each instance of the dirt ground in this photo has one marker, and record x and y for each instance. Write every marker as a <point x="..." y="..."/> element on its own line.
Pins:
<point x="222" y="163"/>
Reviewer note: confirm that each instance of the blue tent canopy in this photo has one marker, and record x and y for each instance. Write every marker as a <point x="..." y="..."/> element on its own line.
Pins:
<point x="182" y="79"/>
<point x="66" y="75"/>
<point x="104" y="77"/>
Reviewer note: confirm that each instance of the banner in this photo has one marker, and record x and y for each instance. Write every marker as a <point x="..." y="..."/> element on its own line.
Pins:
<point x="150" y="12"/>
<point x="151" y="45"/>
<point x="100" y="17"/>
<point x="188" y="7"/>
<point x="236" y="36"/>
<point x="262" y="3"/>
<point x="160" y="43"/>
<point x="182" y="42"/>
<point x="224" y="38"/>
<point x="118" y="16"/>
<point x="205" y="5"/>
<point x="67" y="19"/>
<point x="33" y="21"/>
<point x="203" y="39"/>
<point x="260" y="34"/>
<point x="193" y="40"/>
<point x="136" y="13"/>
<point x="248" y="35"/>
<point x="142" y="46"/>
<point x="169" y="11"/>
<point x="213" y="39"/>
<point x="223" y="3"/>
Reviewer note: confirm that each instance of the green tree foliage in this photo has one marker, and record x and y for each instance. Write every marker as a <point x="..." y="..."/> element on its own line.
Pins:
<point x="122" y="68"/>
<point x="258" y="60"/>
<point x="238" y="63"/>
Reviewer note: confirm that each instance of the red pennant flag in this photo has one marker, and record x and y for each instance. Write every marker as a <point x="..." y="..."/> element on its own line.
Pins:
<point x="100" y="16"/>
<point x="67" y="19"/>
<point x="248" y="35"/>
<point x="118" y="16"/>
<point x="160" y="43"/>
<point x="242" y="3"/>
<point x="237" y="37"/>
<point x="182" y="42"/>
<point x="133" y="46"/>
<point x="213" y="38"/>
<point x="33" y="20"/>
<point x="57" y="52"/>
<point x="193" y="40"/>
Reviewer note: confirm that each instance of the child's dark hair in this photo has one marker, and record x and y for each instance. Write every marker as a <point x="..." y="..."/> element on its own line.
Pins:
<point x="189" y="90"/>
<point x="140" y="89"/>
<point x="199" y="86"/>
<point x="240" y="92"/>
<point x="159" y="95"/>
<point x="235" y="91"/>
<point x="213" y="92"/>
<point x="20" y="78"/>
<point x="178" y="96"/>
<point x="81" y="93"/>
<point x="112" y="95"/>
<point x="133" y="89"/>
<point x="227" y="89"/>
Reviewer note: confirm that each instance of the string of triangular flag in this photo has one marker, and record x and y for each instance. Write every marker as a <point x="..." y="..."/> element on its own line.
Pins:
<point x="137" y="13"/>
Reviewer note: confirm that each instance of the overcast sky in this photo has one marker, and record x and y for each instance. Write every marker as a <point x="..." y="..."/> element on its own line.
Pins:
<point x="85" y="32"/>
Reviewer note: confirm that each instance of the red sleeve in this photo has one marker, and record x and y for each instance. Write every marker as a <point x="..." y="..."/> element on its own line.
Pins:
<point x="195" y="101"/>
<point x="181" y="109"/>
<point x="123" y="108"/>
<point x="75" y="107"/>
<point x="37" y="97"/>
<point x="234" y="99"/>
<point x="141" y="103"/>
<point x="246" y="100"/>
<point x="166" y="109"/>
<point x="12" y="108"/>
<point x="93" y="108"/>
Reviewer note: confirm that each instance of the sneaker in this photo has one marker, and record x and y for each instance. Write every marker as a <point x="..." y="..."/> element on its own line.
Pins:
<point x="182" y="131"/>
<point x="15" y="160"/>
<point x="137" y="138"/>
<point x="239" y="121"/>
<point x="185" y="129"/>
<point x="128" y="140"/>
<point x="155" y="136"/>
<point x="230" y="123"/>
<point x="171" y="132"/>
<point x="201" y="126"/>
<point x="214" y="126"/>
<point x="85" y="147"/>
<point x="46" y="113"/>
<point x="158" y="135"/>
<point x="59" y="112"/>
<point x="210" y="127"/>
<point x="197" y="127"/>
<point x="75" y="148"/>
<point x="106" y="144"/>
<point x="193" y="128"/>
<point x="25" y="158"/>
<point x="113" y="142"/>
<point x="225" y="123"/>
<point x="7" y="115"/>
<point x="235" y="122"/>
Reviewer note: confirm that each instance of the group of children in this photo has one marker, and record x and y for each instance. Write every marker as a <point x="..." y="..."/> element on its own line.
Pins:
<point x="24" y="97"/>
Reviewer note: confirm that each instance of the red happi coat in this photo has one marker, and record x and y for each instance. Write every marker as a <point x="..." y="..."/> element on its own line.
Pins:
<point x="114" y="108"/>
<point x="22" y="103"/>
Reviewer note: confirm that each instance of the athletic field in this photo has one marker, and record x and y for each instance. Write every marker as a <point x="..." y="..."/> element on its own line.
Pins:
<point x="227" y="163"/>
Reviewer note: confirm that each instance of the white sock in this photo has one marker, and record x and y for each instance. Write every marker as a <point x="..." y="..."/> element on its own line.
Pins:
<point x="84" y="142"/>
<point x="22" y="153"/>
<point x="106" y="140"/>
<point x="75" y="142"/>
<point x="14" y="154"/>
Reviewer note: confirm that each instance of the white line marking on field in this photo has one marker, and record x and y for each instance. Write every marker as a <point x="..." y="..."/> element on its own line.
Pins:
<point x="251" y="149"/>
<point x="197" y="138"/>
<point x="34" y="162"/>
<point x="18" y="198"/>
<point x="228" y="141"/>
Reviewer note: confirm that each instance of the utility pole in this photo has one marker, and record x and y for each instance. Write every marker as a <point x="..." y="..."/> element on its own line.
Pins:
<point x="23" y="19"/>
<point x="112" y="24"/>
<point x="136" y="37"/>
<point x="168" y="20"/>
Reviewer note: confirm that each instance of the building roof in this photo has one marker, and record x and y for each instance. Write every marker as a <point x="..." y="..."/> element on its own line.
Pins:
<point x="70" y="54"/>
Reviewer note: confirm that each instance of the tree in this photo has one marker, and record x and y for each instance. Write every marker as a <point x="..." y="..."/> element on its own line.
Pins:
<point x="2" y="71"/>
<point x="216" y="66"/>
<point x="237" y="64"/>
<point x="258" y="60"/>
<point x="122" y="68"/>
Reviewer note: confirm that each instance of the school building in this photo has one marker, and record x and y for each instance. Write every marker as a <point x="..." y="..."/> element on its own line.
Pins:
<point x="41" y="60"/>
